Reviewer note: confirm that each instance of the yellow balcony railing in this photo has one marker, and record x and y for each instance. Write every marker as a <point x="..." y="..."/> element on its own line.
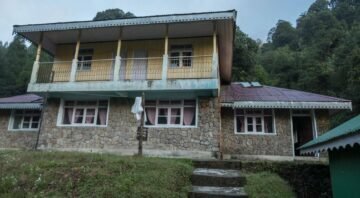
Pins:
<point x="150" y="68"/>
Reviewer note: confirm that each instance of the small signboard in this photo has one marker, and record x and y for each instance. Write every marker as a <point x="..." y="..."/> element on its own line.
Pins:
<point x="144" y="133"/>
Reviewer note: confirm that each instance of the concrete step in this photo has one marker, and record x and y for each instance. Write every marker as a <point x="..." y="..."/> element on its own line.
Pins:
<point x="216" y="192"/>
<point x="217" y="177"/>
<point x="218" y="164"/>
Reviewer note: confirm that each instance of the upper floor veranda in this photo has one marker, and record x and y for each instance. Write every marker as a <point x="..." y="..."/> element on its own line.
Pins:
<point x="167" y="52"/>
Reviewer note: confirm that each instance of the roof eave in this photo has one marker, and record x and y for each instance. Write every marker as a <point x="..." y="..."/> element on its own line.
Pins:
<point x="21" y="106"/>
<point x="159" y="19"/>
<point x="288" y="105"/>
<point x="332" y="144"/>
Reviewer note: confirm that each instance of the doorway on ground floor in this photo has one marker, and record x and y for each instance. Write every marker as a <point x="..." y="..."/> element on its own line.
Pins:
<point x="302" y="129"/>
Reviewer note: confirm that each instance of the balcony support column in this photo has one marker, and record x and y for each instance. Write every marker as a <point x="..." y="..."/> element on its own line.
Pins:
<point x="75" y="59"/>
<point x="215" y="56"/>
<point x="35" y="68"/>
<point x="118" y="59"/>
<point x="165" y="56"/>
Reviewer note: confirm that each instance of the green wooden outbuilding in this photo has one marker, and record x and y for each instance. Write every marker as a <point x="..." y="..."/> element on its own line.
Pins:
<point x="343" y="145"/>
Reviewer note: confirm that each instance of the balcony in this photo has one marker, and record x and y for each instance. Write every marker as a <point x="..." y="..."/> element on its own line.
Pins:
<point x="190" y="67"/>
<point x="191" y="73"/>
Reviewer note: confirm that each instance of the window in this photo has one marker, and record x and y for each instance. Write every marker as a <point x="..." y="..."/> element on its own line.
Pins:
<point x="84" y="59"/>
<point x="25" y="120"/>
<point x="85" y="113"/>
<point x="170" y="112"/>
<point x="181" y="56"/>
<point x="254" y="121"/>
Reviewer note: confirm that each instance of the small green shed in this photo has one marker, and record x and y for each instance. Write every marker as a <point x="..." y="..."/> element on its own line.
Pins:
<point x="343" y="145"/>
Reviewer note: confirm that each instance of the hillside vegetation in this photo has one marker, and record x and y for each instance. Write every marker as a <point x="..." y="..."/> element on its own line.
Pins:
<point x="320" y="53"/>
<point x="61" y="174"/>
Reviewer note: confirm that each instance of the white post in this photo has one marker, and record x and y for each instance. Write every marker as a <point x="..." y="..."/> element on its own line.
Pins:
<point x="118" y="59"/>
<point x="165" y="56"/>
<point x="292" y="134"/>
<point x="75" y="60"/>
<point x="36" y="65"/>
<point x="315" y="128"/>
<point x="215" y="56"/>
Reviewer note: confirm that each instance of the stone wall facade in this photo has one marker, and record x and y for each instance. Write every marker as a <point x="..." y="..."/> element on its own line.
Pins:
<point x="14" y="139"/>
<point x="279" y="144"/>
<point x="120" y="133"/>
<point x="322" y="121"/>
<point x="243" y="144"/>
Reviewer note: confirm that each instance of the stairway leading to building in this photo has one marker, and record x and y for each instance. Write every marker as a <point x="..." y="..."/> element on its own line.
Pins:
<point x="217" y="179"/>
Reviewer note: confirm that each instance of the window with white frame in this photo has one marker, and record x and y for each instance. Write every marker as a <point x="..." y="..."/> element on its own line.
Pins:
<point x="25" y="119"/>
<point x="85" y="113"/>
<point x="181" y="55"/>
<point x="254" y="121"/>
<point x="84" y="59"/>
<point x="170" y="112"/>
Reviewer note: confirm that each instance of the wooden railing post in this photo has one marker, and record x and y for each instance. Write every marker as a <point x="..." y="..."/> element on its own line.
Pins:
<point x="165" y="56"/>
<point x="75" y="59"/>
<point x="36" y="65"/>
<point x="118" y="59"/>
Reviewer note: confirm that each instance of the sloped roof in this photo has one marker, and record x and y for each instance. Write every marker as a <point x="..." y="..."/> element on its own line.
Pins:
<point x="26" y="101"/>
<point x="340" y="136"/>
<point x="275" y="97"/>
<point x="143" y="20"/>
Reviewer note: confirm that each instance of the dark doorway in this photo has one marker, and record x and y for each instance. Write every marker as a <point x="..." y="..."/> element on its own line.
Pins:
<point x="303" y="131"/>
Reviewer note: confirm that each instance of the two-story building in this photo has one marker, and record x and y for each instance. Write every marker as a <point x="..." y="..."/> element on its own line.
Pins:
<point x="99" y="67"/>
<point x="182" y="63"/>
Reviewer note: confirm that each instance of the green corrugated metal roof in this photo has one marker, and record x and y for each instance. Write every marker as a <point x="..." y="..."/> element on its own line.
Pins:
<point x="347" y="128"/>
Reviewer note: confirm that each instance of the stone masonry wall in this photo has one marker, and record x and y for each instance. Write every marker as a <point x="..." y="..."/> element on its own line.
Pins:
<point x="243" y="144"/>
<point x="121" y="130"/>
<point x="322" y="121"/>
<point x="14" y="139"/>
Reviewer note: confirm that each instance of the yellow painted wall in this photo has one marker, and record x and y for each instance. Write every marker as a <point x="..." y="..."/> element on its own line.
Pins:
<point x="201" y="63"/>
<point x="155" y="52"/>
<point x="102" y="66"/>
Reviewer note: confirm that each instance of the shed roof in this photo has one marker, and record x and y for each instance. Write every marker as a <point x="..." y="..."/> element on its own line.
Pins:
<point x="348" y="133"/>
<point x="26" y="101"/>
<point x="236" y="95"/>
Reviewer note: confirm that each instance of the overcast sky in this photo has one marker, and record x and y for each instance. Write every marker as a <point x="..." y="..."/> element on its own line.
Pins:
<point x="255" y="17"/>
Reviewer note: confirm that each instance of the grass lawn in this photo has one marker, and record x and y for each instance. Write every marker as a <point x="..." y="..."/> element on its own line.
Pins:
<point x="71" y="174"/>
<point x="266" y="184"/>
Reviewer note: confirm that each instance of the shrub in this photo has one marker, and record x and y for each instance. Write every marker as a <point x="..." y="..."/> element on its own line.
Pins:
<point x="306" y="179"/>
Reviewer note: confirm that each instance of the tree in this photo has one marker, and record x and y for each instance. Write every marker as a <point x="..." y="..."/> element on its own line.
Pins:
<point x="244" y="59"/>
<point x="283" y="34"/>
<point x="326" y="56"/>
<point x="115" y="13"/>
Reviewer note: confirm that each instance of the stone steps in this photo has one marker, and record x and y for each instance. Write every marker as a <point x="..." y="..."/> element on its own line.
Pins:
<point x="216" y="179"/>
<point x="216" y="192"/>
<point x="218" y="164"/>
